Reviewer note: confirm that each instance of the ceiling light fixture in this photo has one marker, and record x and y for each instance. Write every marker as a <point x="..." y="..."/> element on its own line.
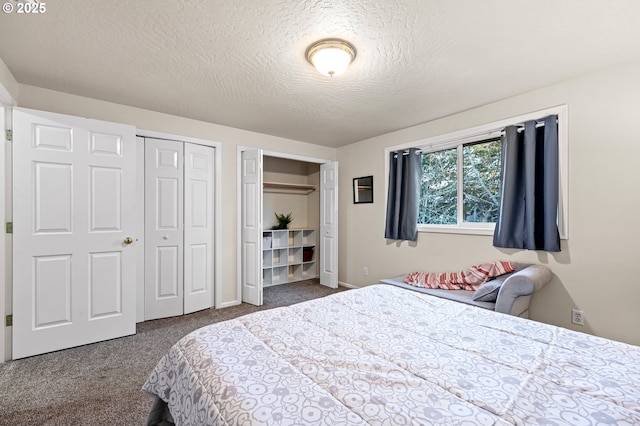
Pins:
<point x="331" y="57"/>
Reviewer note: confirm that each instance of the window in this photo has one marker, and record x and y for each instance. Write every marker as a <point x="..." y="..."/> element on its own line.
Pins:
<point x="461" y="184"/>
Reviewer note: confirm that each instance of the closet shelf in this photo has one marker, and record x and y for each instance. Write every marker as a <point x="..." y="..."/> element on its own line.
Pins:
<point x="288" y="188"/>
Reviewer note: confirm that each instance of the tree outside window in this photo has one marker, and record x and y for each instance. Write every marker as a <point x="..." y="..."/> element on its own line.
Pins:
<point x="478" y="196"/>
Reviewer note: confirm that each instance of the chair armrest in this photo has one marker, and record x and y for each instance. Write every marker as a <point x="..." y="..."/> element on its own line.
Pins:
<point x="522" y="283"/>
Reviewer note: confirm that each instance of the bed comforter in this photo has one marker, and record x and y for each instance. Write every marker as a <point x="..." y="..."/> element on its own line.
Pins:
<point x="383" y="355"/>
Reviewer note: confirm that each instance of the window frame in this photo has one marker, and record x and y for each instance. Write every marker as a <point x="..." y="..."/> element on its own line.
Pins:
<point x="483" y="132"/>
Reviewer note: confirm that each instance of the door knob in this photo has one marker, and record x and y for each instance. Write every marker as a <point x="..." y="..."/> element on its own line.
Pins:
<point x="128" y="240"/>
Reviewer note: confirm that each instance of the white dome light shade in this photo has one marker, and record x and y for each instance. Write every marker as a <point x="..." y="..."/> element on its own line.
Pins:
<point x="331" y="57"/>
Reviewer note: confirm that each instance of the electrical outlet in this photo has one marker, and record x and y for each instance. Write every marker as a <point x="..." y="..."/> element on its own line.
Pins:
<point x="577" y="317"/>
<point x="365" y="271"/>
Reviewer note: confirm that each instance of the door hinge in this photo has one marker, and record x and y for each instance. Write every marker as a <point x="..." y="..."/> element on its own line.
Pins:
<point x="8" y="135"/>
<point x="9" y="227"/>
<point x="8" y="321"/>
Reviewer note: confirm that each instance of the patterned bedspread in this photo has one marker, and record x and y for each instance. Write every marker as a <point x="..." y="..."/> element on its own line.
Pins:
<point x="383" y="355"/>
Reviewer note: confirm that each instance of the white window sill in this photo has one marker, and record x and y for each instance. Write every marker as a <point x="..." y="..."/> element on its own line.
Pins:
<point x="486" y="229"/>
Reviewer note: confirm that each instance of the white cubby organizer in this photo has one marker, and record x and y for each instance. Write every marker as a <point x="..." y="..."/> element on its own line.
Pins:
<point x="283" y="259"/>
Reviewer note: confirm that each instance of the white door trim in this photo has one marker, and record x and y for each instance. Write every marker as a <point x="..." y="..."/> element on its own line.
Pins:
<point x="6" y="193"/>
<point x="293" y="156"/>
<point x="5" y="159"/>
<point x="217" y="203"/>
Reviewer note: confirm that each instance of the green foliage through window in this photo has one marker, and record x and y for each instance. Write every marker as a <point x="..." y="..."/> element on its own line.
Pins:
<point x="480" y="176"/>
<point x="439" y="188"/>
<point x="481" y="181"/>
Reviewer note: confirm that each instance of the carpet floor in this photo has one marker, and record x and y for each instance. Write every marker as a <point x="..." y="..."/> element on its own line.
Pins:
<point x="99" y="384"/>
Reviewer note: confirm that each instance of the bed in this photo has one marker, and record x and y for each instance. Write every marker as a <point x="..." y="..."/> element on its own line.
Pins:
<point x="384" y="355"/>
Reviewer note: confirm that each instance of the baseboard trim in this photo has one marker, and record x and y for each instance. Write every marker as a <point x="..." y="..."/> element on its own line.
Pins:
<point x="347" y="285"/>
<point x="228" y="304"/>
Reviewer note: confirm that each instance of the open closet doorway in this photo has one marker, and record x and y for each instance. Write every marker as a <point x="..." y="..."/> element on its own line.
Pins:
<point x="276" y="183"/>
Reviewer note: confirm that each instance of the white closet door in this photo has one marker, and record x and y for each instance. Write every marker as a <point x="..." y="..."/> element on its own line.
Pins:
<point x="140" y="224"/>
<point x="329" y="224"/>
<point x="198" y="227"/>
<point x="74" y="261"/>
<point x="251" y="193"/>
<point x="163" y="228"/>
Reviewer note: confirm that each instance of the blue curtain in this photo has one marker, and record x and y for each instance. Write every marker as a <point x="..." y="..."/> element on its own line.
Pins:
<point x="403" y="195"/>
<point x="528" y="217"/>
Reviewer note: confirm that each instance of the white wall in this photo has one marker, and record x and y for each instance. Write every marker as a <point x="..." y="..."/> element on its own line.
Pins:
<point x="230" y="138"/>
<point x="595" y="270"/>
<point x="9" y="87"/>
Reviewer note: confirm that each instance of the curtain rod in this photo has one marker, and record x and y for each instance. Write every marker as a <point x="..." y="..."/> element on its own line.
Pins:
<point x="521" y="125"/>
<point x="539" y="123"/>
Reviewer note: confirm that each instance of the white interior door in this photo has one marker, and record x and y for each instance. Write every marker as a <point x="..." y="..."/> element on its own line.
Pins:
<point x="251" y="217"/>
<point x="163" y="228"/>
<point x="198" y="227"/>
<point x="329" y="224"/>
<point x="74" y="264"/>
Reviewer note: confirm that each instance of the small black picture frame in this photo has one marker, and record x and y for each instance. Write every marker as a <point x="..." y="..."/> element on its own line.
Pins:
<point x="363" y="190"/>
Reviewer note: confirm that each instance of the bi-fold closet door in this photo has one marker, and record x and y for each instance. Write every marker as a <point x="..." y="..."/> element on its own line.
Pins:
<point x="178" y="228"/>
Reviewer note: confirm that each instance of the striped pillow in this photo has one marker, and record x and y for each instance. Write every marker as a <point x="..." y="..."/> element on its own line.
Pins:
<point x="469" y="279"/>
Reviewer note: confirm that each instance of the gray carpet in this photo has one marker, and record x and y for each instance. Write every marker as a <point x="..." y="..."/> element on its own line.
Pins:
<point x="99" y="384"/>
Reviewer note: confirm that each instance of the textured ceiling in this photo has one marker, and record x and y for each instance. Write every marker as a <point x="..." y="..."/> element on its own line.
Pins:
<point x="241" y="63"/>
